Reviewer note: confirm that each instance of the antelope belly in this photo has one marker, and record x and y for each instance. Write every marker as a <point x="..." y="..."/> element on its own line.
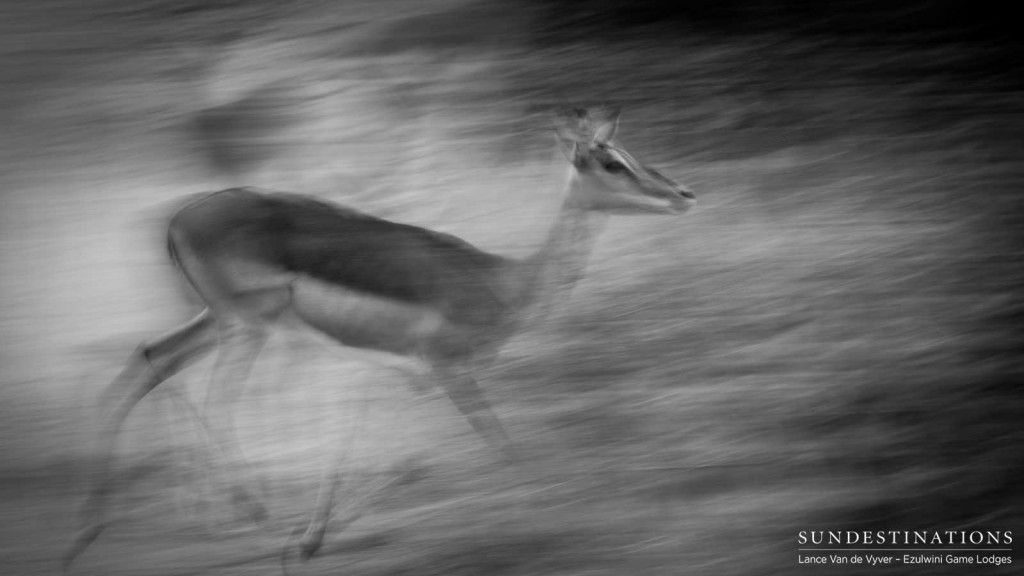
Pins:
<point x="363" y="320"/>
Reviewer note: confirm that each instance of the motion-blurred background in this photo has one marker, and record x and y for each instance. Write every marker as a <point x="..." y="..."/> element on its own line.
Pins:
<point x="830" y="341"/>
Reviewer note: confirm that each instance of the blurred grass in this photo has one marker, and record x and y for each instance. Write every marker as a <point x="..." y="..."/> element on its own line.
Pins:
<point x="830" y="342"/>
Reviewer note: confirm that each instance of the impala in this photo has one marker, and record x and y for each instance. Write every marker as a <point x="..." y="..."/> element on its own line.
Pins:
<point x="262" y="259"/>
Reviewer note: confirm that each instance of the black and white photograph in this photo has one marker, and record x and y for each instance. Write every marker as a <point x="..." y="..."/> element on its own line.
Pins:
<point x="511" y="288"/>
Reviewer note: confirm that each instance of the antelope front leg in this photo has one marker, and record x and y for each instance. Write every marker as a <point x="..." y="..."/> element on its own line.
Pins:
<point x="464" y="392"/>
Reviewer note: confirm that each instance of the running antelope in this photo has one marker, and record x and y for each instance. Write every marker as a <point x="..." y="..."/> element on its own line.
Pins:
<point x="260" y="259"/>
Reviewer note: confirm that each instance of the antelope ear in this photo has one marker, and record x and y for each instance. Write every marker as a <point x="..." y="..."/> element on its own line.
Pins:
<point x="569" y="130"/>
<point x="605" y="122"/>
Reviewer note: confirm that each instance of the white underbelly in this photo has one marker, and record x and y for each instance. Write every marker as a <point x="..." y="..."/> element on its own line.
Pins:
<point x="363" y="320"/>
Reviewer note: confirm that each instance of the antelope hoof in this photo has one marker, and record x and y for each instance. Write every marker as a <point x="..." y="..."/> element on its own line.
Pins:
<point x="83" y="540"/>
<point x="308" y="548"/>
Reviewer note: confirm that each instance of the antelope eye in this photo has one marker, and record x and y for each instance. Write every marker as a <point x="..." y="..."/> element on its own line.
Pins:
<point x="615" y="167"/>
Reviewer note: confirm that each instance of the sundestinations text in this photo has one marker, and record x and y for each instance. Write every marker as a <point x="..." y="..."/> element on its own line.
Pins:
<point x="905" y="537"/>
